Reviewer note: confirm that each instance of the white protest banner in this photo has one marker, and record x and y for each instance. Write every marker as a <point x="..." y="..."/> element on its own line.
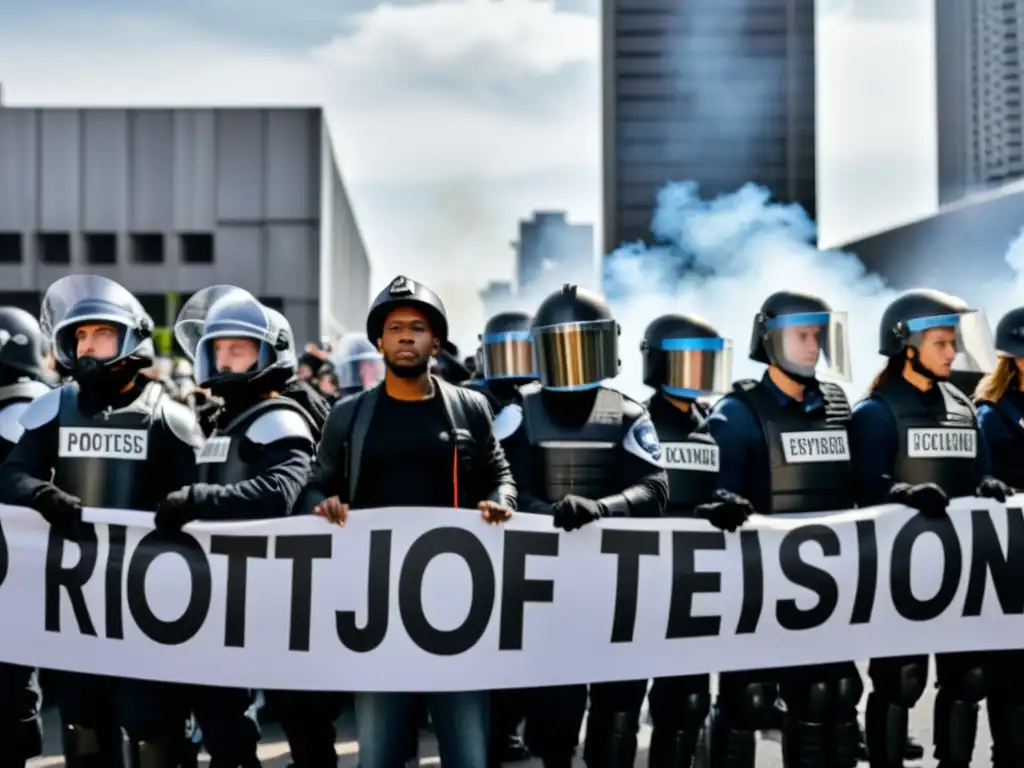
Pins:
<point x="433" y="600"/>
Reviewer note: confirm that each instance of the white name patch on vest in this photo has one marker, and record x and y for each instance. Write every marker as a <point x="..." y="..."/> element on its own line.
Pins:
<point x="214" y="451"/>
<point x="942" y="443"/>
<point x="93" y="443"/>
<point x="813" y="447"/>
<point x="695" y="457"/>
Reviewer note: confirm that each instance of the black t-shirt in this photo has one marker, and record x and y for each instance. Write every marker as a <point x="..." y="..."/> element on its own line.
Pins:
<point x="408" y="456"/>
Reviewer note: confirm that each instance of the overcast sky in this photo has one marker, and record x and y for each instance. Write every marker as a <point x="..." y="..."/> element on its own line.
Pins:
<point x="454" y="118"/>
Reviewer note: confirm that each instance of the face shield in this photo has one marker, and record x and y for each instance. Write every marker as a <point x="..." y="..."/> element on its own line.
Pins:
<point x="360" y="372"/>
<point x="975" y="346"/>
<point x="576" y="356"/>
<point x="78" y="300"/>
<point x="508" y="355"/>
<point x="697" y="367"/>
<point x="188" y="327"/>
<point x="810" y="344"/>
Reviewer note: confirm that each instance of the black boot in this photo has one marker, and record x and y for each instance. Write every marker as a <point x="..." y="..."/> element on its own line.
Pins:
<point x="845" y="743"/>
<point x="803" y="745"/>
<point x="885" y="732"/>
<point x="956" y="729"/>
<point x="730" y="748"/>
<point x="622" y="746"/>
<point x="672" y="749"/>
<point x="87" y="748"/>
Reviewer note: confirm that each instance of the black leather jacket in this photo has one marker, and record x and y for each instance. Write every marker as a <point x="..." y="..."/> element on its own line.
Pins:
<point x="483" y="470"/>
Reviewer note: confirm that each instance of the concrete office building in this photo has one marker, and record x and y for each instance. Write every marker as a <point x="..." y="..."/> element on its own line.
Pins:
<point x="168" y="201"/>
<point x="716" y="91"/>
<point x="979" y="68"/>
<point x="551" y="251"/>
<point x="960" y="247"/>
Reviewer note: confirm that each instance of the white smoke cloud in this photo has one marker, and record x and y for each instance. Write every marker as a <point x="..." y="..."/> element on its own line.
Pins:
<point x="723" y="257"/>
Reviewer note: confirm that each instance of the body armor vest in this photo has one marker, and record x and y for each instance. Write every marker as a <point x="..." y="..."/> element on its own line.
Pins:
<point x="577" y="460"/>
<point x="1007" y="466"/>
<point x="937" y="439"/>
<point x="808" y="452"/>
<point x="103" y="458"/>
<point x="228" y="456"/>
<point x="690" y="457"/>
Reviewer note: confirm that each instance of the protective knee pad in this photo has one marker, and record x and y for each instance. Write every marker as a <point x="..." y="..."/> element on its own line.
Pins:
<point x="810" y="704"/>
<point x="729" y="747"/>
<point x="904" y="688"/>
<point x="616" y="747"/>
<point x="694" y="711"/>
<point x="968" y="686"/>
<point x="754" y="708"/>
<point x="885" y="732"/>
<point x="955" y="728"/>
<point x="847" y="692"/>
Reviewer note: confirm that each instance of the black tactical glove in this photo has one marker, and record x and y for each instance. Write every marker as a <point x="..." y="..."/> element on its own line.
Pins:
<point x="727" y="512"/>
<point x="573" y="512"/>
<point x="64" y="514"/>
<point x="176" y="511"/>
<point x="993" y="488"/>
<point x="926" y="498"/>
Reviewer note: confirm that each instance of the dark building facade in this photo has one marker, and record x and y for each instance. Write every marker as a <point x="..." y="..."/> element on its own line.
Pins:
<point x="716" y="91"/>
<point x="979" y="67"/>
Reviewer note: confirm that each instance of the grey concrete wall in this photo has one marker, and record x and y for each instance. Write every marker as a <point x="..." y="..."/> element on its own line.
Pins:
<point x="248" y="178"/>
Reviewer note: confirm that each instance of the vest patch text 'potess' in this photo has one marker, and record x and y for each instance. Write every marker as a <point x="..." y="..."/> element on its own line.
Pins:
<point x="942" y="443"/>
<point x="214" y="451"/>
<point x="95" y="443"/>
<point x="695" y="457"/>
<point x="818" y="446"/>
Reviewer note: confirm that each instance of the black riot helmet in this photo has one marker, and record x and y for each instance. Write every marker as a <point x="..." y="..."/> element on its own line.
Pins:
<point x="358" y="364"/>
<point x="80" y="300"/>
<point x="685" y="358"/>
<point x="403" y="292"/>
<point x="22" y="344"/>
<point x="797" y="332"/>
<point x="506" y="348"/>
<point x="1009" y="341"/>
<point x="907" y="319"/>
<point x="575" y="340"/>
<point x="227" y="312"/>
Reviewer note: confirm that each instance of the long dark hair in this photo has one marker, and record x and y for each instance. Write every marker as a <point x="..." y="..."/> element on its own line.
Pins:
<point x="892" y="370"/>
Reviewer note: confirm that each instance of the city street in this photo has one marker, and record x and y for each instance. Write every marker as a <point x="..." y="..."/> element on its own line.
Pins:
<point x="274" y="750"/>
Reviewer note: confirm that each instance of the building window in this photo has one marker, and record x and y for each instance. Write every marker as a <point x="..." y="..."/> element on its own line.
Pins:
<point x="10" y="248"/>
<point x="101" y="248"/>
<point x="54" y="247"/>
<point x="148" y="248"/>
<point x="197" y="248"/>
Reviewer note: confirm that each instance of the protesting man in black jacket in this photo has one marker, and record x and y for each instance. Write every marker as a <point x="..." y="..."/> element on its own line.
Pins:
<point x="413" y="441"/>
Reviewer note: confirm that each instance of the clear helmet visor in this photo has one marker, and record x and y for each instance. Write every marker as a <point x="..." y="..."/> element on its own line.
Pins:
<point x="697" y="367"/>
<point x="576" y="356"/>
<point x="810" y="344"/>
<point x="508" y="355"/>
<point x="969" y="331"/>
<point x="360" y="372"/>
<point x="77" y="300"/>
<point x="188" y="327"/>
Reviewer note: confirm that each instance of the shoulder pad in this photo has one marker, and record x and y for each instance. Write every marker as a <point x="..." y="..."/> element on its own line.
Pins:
<point x="641" y="440"/>
<point x="279" y="424"/>
<point x="744" y="385"/>
<point x="508" y="421"/>
<point x="11" y="429"/>
<point x="529" y="389"/>
<point x="631" y="409"/>
<point x="181" y="421"/>
<point x="43" y="410"/>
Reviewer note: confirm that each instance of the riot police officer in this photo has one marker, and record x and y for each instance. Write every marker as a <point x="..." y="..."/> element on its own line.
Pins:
<point x="22" y="375"/>
<point x="754" y="425"/>
<point x="582" y="452"/>
<point x="102" y="335"/>
<point x="358" y="364"/>
<point x="684" y="359"/>
<point x="1000" y="400"/>
<point x="922" y="333"/>
<point x="507" y="364"/>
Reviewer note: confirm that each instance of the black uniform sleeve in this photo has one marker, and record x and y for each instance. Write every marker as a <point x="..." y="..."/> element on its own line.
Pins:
<point x="179" y="437"/>
<point x="282" y="468"/>
<point x="644" y="481"/>
<point x="496" y="478"/>
<point x="28" y="469"/>
<point x="329" y="475"/>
